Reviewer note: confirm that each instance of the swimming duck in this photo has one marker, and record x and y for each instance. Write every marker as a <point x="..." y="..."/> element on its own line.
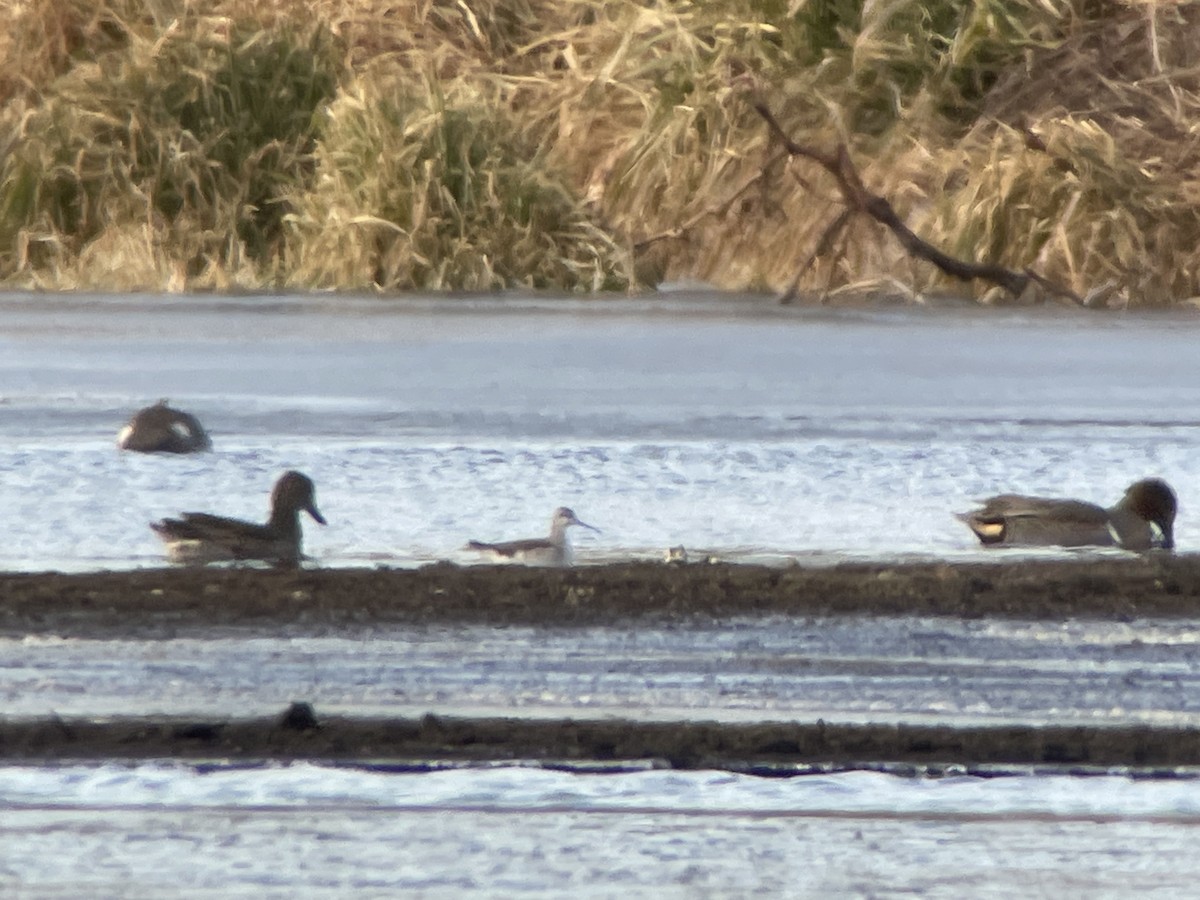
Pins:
<point x="554" y="550"/>
<point x="1142" y="519"/>
<point x="163" y="429"/>
<point x="201" y="537"/>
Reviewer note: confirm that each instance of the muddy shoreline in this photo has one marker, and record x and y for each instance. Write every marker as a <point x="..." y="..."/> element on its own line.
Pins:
<point x="432" y="741"/>
<point x="156" y="603"/>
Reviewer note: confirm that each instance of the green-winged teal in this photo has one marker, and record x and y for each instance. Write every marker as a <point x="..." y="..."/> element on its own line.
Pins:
<point x="201" y="538"/>
<point x="162" y="429"/>
<point x="554" y="550"/>
<point x="1142" y="519"/>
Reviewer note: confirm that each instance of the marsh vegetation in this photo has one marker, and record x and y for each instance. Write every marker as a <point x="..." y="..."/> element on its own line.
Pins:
<point x="596" y="145"/>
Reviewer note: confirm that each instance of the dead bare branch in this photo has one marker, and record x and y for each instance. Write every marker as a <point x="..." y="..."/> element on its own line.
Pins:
<point x="858" y="199"/>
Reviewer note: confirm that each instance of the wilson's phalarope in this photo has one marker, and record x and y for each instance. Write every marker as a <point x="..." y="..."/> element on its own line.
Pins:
<point x="554" y="550"/>
<point x="201" y="538"/>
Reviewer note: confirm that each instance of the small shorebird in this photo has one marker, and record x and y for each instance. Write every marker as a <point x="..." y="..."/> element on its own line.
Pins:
<point x="163" y="429"/>
<point x="201" y="537"/>
<point x="1142" y="519"/>
<point x="554" y="550"/>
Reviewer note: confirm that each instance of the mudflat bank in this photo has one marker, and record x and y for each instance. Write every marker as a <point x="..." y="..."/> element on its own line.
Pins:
<point x="154" y="603"/>
<point x="765" y="748"/>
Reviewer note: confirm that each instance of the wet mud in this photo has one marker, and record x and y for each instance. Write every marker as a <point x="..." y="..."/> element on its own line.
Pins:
<point x="152" y="603"/>
<point x="160" y="603"/>
<point x="762" y="748"/>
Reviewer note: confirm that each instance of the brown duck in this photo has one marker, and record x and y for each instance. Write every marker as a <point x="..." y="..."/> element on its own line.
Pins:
<point x="163" y="429"/>
<point x="1142" y="519"/>
<point x="201" y="537"/>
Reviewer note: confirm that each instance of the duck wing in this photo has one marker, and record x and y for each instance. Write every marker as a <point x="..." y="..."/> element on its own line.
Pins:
<point x="207" y="527"/>
<point x="1011" y="506"/>
<point x="1040" y="521"/>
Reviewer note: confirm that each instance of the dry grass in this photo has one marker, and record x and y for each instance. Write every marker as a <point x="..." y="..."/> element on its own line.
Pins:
<point x="479" y="144"/>
<point x="183" y="135"/>
<point x="416" y="189"/>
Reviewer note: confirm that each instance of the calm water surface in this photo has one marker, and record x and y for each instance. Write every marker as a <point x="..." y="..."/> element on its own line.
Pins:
<point x="726" y="424"/>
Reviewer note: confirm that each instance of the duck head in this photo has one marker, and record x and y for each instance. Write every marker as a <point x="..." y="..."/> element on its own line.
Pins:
<point x="293" y="492"/>
<point x="1153" y="500"/>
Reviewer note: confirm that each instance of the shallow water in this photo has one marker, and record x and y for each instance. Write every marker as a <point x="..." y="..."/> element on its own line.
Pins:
<point x="943" y="671"/>
<point x="729" y="425"/>
<point x="306" y="830"/>
<point x="725" y="424"/>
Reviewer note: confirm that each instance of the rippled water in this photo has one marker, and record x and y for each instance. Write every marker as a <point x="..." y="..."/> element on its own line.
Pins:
<point x="305" y="830"/>
<point x="726" y="424"/>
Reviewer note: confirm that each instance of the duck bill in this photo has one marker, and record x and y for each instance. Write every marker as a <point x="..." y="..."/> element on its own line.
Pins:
<point x="312" y="510"/>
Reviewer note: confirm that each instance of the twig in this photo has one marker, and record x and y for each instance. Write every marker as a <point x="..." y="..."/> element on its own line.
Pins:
<point x="715" y="209"/>
<point x="823" y="246"/>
